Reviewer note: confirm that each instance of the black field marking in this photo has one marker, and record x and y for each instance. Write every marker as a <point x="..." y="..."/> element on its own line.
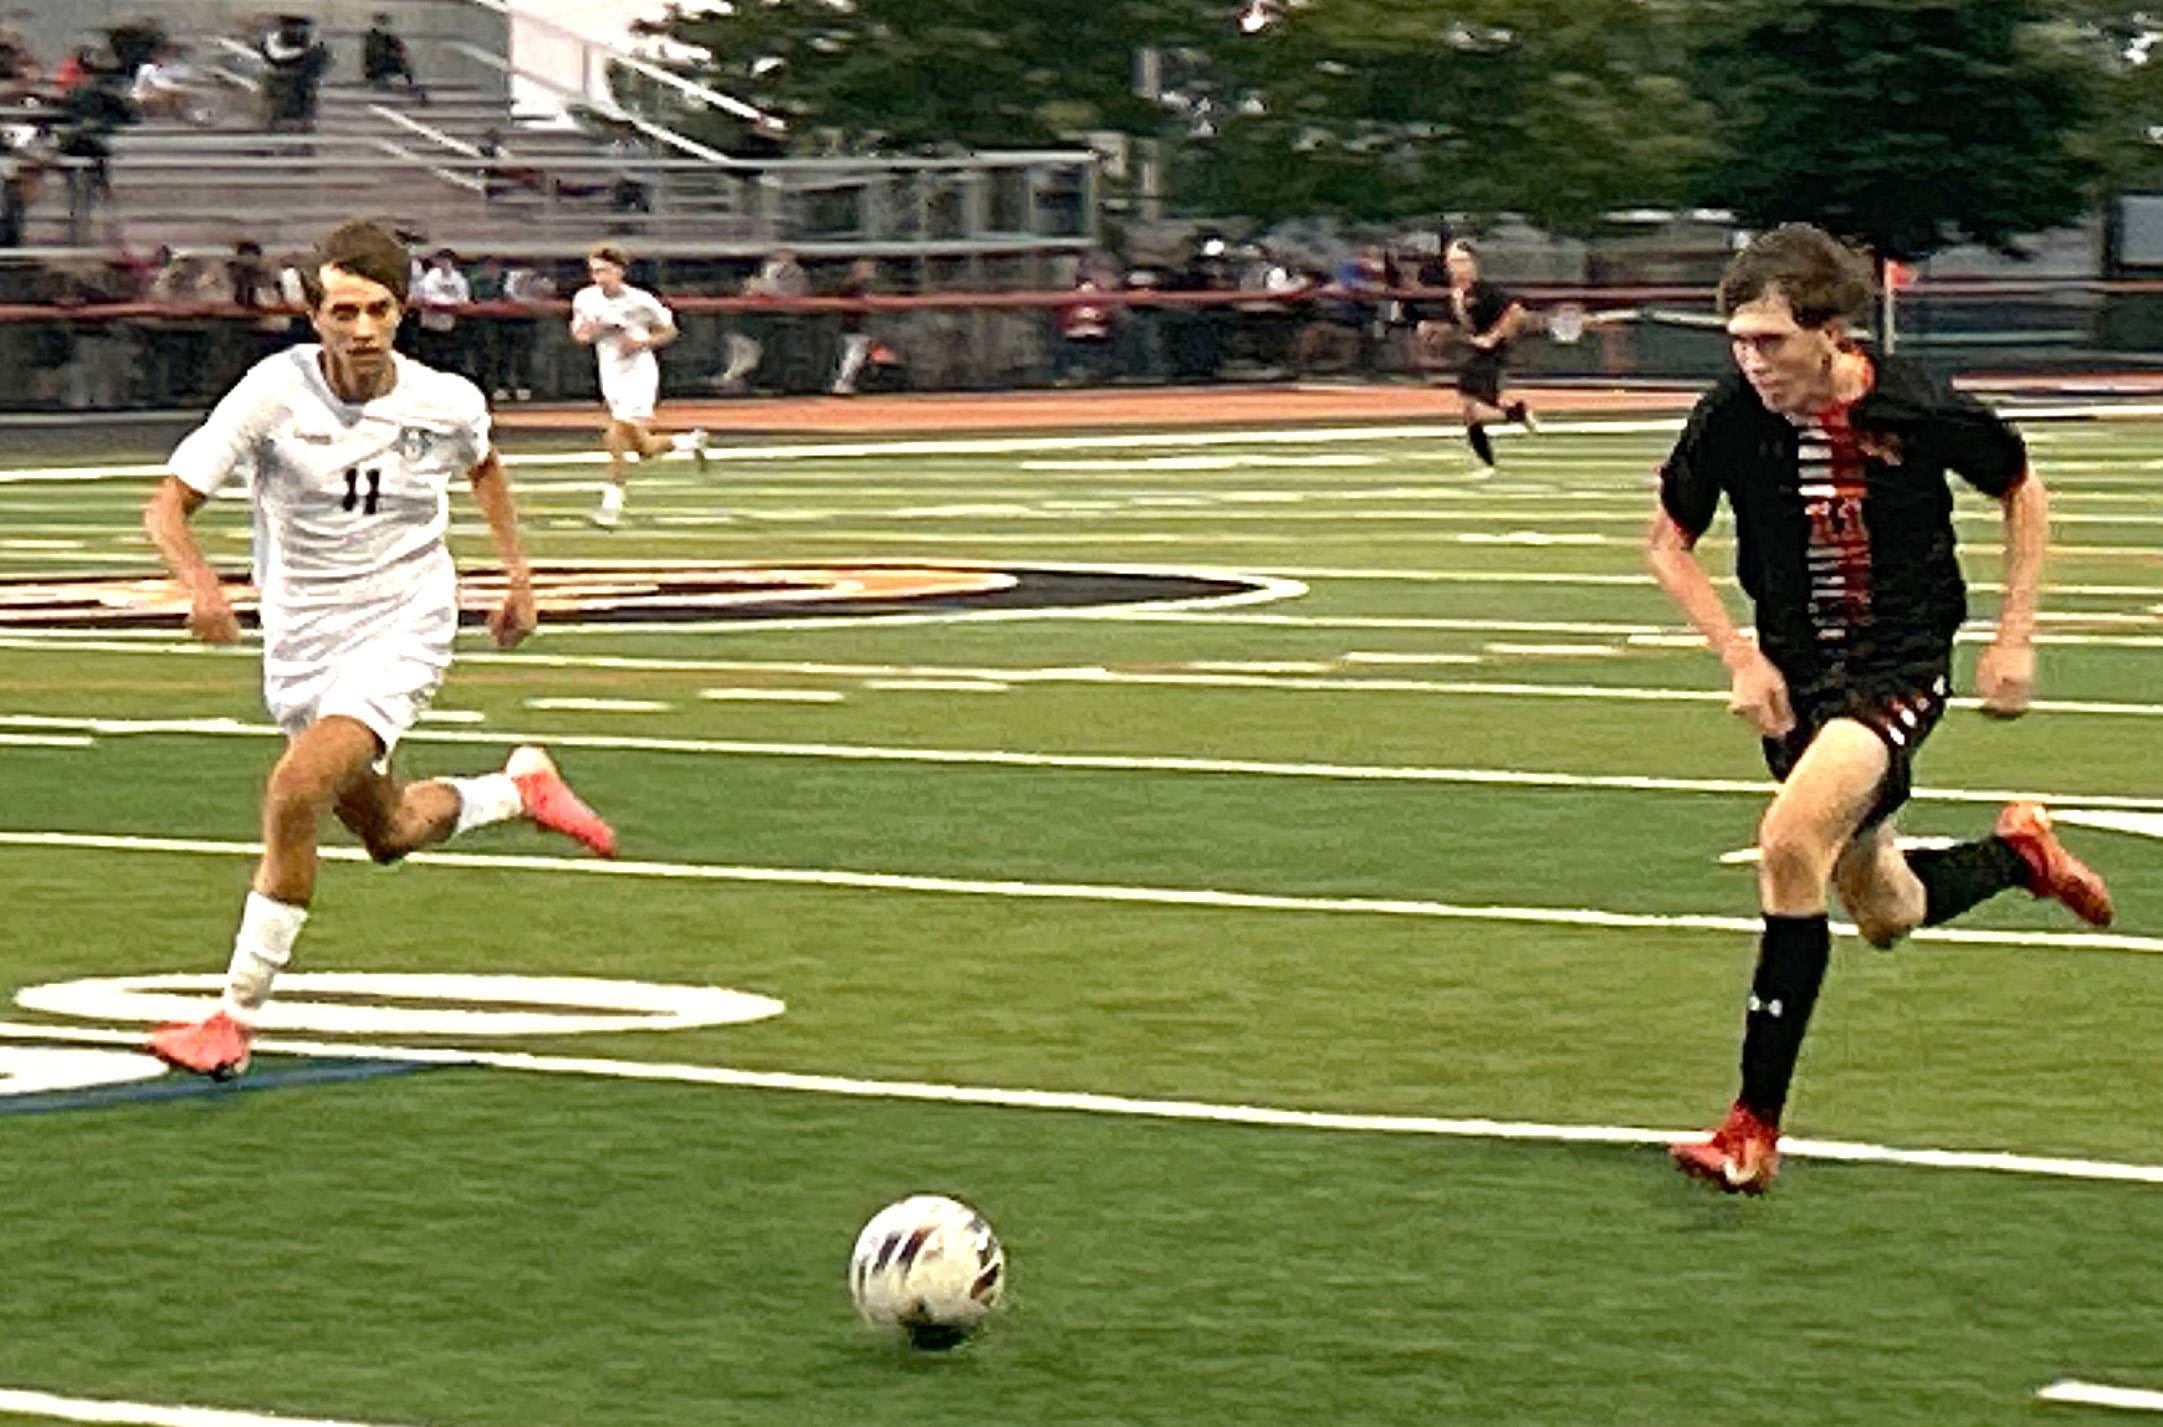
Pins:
<point x="645" y="594"/>
<point x="181" y="1086"/>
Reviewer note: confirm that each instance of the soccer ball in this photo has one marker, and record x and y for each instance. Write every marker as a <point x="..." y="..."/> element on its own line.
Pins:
<point x="929" y="1266"/>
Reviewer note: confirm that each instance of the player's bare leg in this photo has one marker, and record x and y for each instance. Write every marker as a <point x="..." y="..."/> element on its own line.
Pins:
<point x="1479" y="413"/>
<point x="1817" y="810"/>
<point x="318" y="765"/>
<point x="1890" y="893"/>
<point x="392" y="816"/>
<point x="1476" y="414"/>
<point x="1878" y="886"/>
<point x="622" y="438"/>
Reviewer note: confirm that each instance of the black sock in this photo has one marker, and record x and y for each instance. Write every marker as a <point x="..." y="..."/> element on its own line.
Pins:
<point x="1515" y="411"/>
<point x="1791" y="960"/>
<point x="1481" y="446"/>
<point x="1956" y="878"/>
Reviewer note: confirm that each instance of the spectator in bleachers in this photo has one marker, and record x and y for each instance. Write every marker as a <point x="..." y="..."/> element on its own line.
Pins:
<point x="855" y="350"/>
<point x="177" y="345"/>
<point x="780" y="276"/>
<point x="441" y="291"/>
<point x="293" y="64"/>
<point x="1086" y="328"/>
<point x="99" y="375"/>
<point x="15" y="180"/>
<point x="1344" y="331"/>
<point x="135" y="43"/>
<point x="19" y="69"/>
<point x="385" y="58"/>
<point x="85" y="147"/>
<point x="251" y="284"/>
<point x="165" y="87"/>
<point x="519" y="333"/>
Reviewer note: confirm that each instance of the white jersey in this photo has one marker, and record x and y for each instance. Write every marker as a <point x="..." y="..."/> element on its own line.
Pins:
<point x="632" y="313"/>
<point x="351" y="501"/>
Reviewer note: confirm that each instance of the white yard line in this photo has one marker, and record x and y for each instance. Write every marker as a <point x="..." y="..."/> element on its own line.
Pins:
<point x="1101" y="762"/>
<point x="575" y="705"/>
<point x="147" y="1414"/>
<point x="1086" y="1102"/>
<point x="2095" y="1394"/>
<point x="1099" y="892"/>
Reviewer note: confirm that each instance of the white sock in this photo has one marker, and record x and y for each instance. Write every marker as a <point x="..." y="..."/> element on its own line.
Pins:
<point x="490" y="798"/>
<point x="612" y="499"/>
<point x="260" y="951"/>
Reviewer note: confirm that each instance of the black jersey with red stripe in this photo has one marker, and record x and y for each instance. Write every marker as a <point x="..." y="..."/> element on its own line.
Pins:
<point x="1843" y="520"/>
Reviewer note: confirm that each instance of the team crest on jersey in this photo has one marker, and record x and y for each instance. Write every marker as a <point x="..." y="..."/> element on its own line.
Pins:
<point x="416" y="444"/>
<point x="629" y="593"/>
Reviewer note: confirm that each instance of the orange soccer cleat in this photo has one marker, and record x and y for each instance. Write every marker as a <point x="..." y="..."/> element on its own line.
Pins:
<point x="549" y="802"/>
<point x="1741" y="1157"/>
<point x="217" y="1047"/>
<point x="2052" y="871"/>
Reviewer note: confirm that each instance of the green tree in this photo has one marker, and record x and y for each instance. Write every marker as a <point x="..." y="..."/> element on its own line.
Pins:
<point x="2124" y="44"/>
<point x="1905" y="125"/>
<point x="911" y="76"/>
<point x="1561" y="110"/>
<point x="1557" y="109"/>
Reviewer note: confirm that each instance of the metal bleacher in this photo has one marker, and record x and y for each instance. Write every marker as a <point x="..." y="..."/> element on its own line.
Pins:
<point x="619" y="169"/>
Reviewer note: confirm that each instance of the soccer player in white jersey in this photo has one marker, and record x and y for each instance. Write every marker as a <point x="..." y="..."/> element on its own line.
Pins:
<point x="350" y="450"/>
<point x="625" y="325"/>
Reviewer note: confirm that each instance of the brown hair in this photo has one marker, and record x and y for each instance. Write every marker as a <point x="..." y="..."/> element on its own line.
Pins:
<point x="1821" y="277"/>
<point x="610" y="253"/>
<point x="363" y="248"/>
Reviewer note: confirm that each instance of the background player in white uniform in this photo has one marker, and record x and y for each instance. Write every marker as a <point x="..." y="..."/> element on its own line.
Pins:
<point x="351" y="450"/>
<point x="625" y="325"/>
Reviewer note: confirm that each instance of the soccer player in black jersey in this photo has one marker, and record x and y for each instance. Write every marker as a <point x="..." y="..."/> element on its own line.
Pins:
<point x="1833" y="458"/>
<point x="1488" y="318"/>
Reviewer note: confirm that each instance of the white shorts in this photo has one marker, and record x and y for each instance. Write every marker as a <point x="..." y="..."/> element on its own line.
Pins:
<point x="631" y="395"/>
<point x="378" y="662"/>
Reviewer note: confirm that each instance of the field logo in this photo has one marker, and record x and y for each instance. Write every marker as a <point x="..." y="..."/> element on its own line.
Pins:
<point x="687" y="593"/>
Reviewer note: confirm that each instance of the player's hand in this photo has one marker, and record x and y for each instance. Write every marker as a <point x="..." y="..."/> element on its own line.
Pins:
<point x="1758" y="693"/>
<point x="510" y="622"/>
<point x="2005" y="677"/>
<point x="211" y="618"/>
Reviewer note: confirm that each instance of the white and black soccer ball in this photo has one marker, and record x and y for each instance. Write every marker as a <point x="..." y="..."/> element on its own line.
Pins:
<point x="930" y="1267"/>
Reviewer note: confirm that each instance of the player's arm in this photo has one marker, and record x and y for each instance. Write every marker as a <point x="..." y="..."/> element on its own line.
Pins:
<point x="660" y="330"/>
<point x="514" y="619"/>
<point x="165" y="521"/>
<point x="586" y="329"/>
<point x="1506" y="326"/>
<point x="1756" y="690"/>
<point x="2005" y="675"/>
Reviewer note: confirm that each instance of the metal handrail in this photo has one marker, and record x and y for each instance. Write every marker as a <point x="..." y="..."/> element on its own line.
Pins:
<point x="427" y="131"/>
<point x="610" y="109"/>
<point x="690" y="89"/>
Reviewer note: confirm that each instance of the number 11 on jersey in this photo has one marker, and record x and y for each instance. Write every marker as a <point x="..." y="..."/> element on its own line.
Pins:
<point x="353" y="496"/>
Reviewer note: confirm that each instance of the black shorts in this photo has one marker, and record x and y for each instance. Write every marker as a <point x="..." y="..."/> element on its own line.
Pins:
<point x="1900" y="708"/>
<point x="1481" y="376"/>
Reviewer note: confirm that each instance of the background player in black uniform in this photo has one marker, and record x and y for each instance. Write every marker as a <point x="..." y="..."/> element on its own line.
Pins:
<point x="1834" y="459"/>
<point x="1487" y="318"/>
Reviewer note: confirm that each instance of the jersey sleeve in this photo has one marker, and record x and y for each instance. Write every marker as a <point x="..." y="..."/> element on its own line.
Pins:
<point x="1981" y="445"/>
<point x="1690" y="476"/>
<point x="1949" y="428"/>
<point x="582" y="305"/>
<point x="225" y="445"/>
<point x="471" y="433"/>
<point x="657" y="313"/>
